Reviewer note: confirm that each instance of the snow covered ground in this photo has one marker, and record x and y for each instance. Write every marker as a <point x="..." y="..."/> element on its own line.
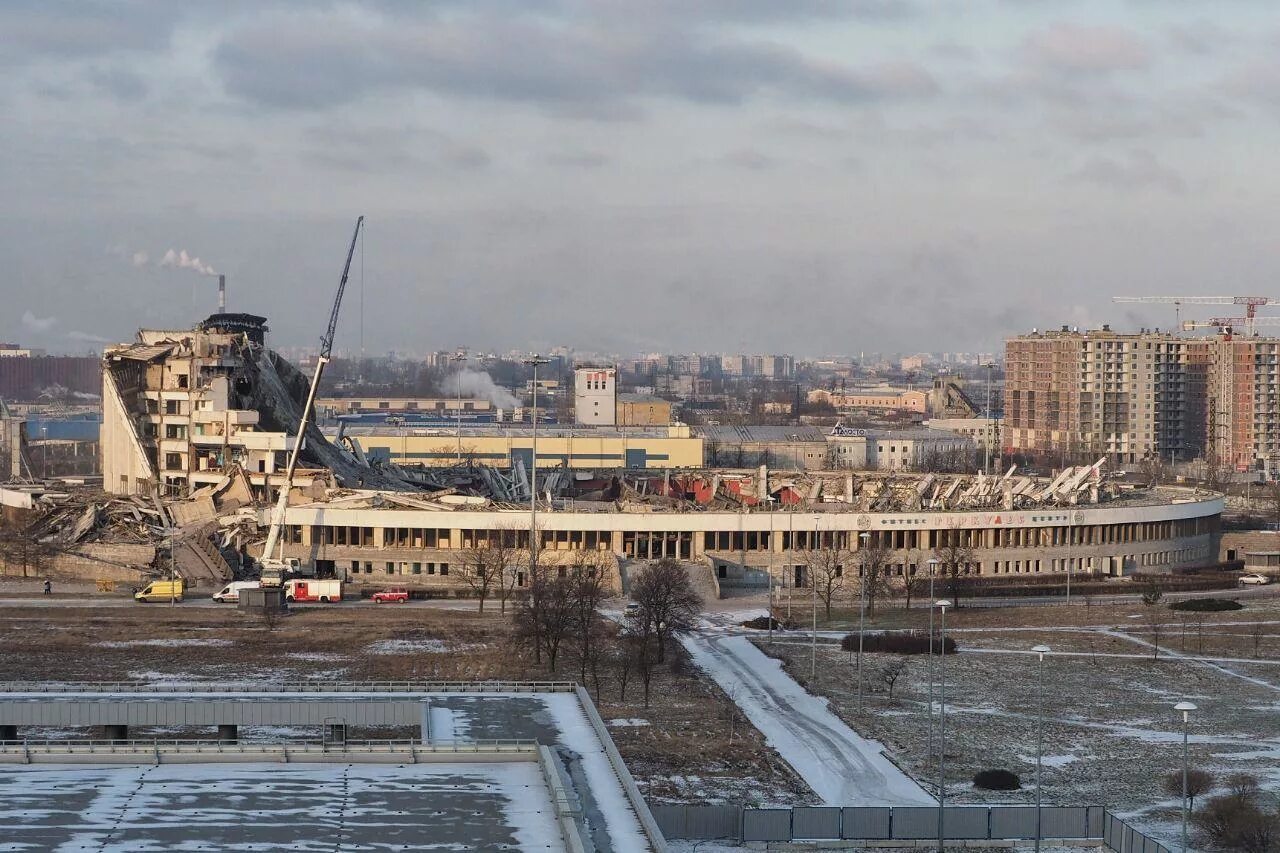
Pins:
<point x="842" y="767"/>
<point x="500" y="806"/>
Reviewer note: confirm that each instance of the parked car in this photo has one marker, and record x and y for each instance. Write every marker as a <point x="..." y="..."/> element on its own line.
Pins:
<point x="161" y="591"/>
<point x="231" y="592"/>
<point x="631" y="609"/>
<point x="323" y="591"/>
<point x="1255" y="578"/>
<point x="395" y="594"/>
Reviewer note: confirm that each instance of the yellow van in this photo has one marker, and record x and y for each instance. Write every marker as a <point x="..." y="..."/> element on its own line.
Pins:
<point x="161" y="591"/>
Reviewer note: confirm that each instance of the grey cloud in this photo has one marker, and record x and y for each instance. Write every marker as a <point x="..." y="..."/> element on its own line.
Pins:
<point x="577" y="159"/>
<point x="1073" y="48"/>
<point x="121" y="83"/>
<point x="752" y="159"/>
<point x="396" y="149"/>
<point x="1139" y="170"/>
<point x="1200" y="38"/>
<point x="315" y="60"/>
<point x="62" y="30"/>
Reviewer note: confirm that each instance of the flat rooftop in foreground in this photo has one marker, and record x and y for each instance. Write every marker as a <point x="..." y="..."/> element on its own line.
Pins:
<point x="331" y="806"/>
<point x="492" y="766"/>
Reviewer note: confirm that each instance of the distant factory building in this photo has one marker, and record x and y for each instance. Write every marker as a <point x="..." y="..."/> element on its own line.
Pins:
<point x="643" y="410"/>
<point x="878" y="399"/>
<point x="797" y="447"/>
<point x="895" y="450"/>
<point x="501" y="447"/>
<point x="595" y="396"/>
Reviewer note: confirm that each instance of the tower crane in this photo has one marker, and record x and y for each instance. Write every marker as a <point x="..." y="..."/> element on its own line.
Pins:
<point x="1226" y="324"/>
<point x="274" y="567"/>
<point x="1251" y="303"/>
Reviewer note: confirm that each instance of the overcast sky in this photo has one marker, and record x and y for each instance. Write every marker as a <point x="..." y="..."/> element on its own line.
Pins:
<point x="812" y="176"/>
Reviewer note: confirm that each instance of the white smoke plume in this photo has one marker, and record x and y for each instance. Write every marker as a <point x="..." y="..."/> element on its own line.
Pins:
<point x="477" y="385"/>
<point x="36" y="324"/>
<point x="140" y="259"/>
<point x="181" y="260"/>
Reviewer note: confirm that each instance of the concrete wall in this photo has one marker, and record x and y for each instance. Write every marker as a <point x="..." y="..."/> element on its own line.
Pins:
<point x="89" y="561"/>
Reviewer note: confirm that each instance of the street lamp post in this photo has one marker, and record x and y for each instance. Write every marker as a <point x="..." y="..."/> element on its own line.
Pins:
<point x="986" y="445"/>
<point x="1040" y="651"/>
<point x="813" y="588"/>
<point x="1186" y="708"/>
<point x="769" y="499"/>
<point x="1071" y="536"/>
<point x="456" y="358"/>
<point x="942" y="606"/>
<point x="933" y="568"/>
<point x="533" y="361"/>
<point x="863" y="538"/>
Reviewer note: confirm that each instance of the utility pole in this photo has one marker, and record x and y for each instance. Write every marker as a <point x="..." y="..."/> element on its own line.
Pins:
<point x="533" y="361"/>
<point x="461" y="356"/>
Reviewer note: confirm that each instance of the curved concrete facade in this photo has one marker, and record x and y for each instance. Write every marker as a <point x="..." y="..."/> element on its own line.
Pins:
<point x="1165" y="530"/>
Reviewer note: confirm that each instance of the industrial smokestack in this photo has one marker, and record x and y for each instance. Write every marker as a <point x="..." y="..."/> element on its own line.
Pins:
<point x="222" y="294"/>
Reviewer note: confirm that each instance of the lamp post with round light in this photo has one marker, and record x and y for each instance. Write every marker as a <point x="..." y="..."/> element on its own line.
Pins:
<point x="933" y="570"/>
<point x="1186" y="708"/>
<point x="863" y="538"/>
<point x="1040" y="651"/>
<point x="942" y="605"/>
<point x="813" y="588"/>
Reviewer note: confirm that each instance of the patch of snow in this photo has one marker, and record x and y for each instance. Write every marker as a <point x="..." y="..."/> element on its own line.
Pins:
<point x="449" y="724"/>
<point x="319" y="657"/>
<point x="1054" y="761"/>
<point x="577" y="733"/>
<point x="428" y="646"/>
<point x="623" y="722"/>
<point x="841" y="766"/>
<point x="167" y="643"/>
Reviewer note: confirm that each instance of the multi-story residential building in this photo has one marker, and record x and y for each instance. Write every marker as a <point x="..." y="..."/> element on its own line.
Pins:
<point x="1127" y="397"/>
<point x="1243" y="418"/>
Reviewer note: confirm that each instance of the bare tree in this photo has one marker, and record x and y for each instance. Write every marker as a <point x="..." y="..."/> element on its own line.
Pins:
<point x="589" y="576"/>
<point x="487" y="566"/>
<point x="828" y="572"/>
<point x="621" y="657"/>
<point x="1152" y="592"/>
<point x="891" y="672"/>
<point x="668" y="603"/>
<point x="873" y="575"/>
<point x="954" y="555"/>
<point x="1257" y="631"/>
<point x="1198" y="782"/>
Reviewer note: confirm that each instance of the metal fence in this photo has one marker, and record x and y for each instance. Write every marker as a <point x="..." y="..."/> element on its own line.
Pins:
<point x="884" y="823"/>
<point x="1122" y="838"/>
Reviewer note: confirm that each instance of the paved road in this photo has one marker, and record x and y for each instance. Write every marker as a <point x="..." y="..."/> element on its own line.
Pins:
<point x="842" y="767"/>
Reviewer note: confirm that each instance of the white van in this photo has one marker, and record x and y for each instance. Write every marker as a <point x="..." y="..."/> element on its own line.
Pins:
<point x="231" y="592"/>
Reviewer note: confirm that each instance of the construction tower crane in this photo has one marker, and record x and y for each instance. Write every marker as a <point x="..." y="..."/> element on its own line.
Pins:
<point x="274" y="567"/>
<point x="1251" y="303"/>
<point x="1226" y="324"/>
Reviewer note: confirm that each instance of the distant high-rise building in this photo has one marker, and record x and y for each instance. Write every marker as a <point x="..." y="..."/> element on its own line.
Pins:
<point x="1243" y="418"/>
<point x="1127" y="397"/>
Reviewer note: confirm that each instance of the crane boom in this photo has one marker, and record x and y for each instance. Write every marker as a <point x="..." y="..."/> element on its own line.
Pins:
<point x="273" y="568"/>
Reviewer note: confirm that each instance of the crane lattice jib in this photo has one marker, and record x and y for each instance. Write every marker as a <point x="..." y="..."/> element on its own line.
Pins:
<point x="326" y="343"/>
